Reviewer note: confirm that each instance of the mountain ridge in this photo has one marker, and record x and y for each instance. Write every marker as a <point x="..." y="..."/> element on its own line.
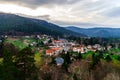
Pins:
<point x="15" y="23"/>
<point x="106" y="32"/>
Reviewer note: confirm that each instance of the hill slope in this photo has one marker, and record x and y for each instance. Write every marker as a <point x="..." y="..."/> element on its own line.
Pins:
<point x="14" y="23"/>
<point x="97" y="32"/>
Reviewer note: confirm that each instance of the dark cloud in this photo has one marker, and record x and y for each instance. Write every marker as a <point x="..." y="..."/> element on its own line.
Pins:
<point x="37" y="3"/>
<point x="44" y="17"/>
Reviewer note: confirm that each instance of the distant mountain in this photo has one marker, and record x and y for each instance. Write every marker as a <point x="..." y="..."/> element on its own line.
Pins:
<point x="97" y="32"/>
<point x="13" y="24"/>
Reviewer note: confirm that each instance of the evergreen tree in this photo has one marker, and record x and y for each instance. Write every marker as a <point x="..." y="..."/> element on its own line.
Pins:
<point x="67" y="61"/>
<point x="50" y="41"/>
<point x="75" y="77"/>
<point x="79" y="56"/>
<point x="67" y="57"/>
<point x="9" y="70"/>
<point x="95" y="60"/>
<point x="25" y="64"/>
<point x="108" y="58"/>
<point x="100" y="55"/>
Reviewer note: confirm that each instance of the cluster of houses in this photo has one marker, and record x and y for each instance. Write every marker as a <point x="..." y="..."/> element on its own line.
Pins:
<point x="62" y="44"/>
<point x="94" y="48"/>
<point x="57" y="46"/>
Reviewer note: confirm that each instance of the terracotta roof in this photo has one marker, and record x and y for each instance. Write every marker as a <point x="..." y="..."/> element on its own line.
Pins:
<point x="57" y="41"/>
<point x="56" y="48"/>
<point x="52" y="50"/>
<point x="49" y="51"/>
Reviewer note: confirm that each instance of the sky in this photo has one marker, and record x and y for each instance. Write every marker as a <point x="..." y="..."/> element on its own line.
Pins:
<point x="80" y="13"/>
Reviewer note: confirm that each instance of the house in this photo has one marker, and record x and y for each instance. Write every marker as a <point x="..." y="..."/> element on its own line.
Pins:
<point x="66" y="49"/>
<point x="57" y="50"/>
<point x="59" y="61"/>
<point x="53" y="51"/>
<point x="99" y="48"/>
<point x="33" y="44"/>
<point x="80" y="49"/>
<point x="89" y="47"/>
<point x="50" y="52"/>
<point x="27" y="36"/>
<point x="72" y="44"/>
<point x="76" y="49"/>
<point x="60" y="42"/>
<point x="38" y="36"/>
<point x="94" y="49"/>
<point x="96" y="46"/>
<point x="57" y="41"/>
<point x="109" y="47"/>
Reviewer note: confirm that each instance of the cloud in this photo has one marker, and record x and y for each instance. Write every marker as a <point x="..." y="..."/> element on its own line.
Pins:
<point x="114" y="12"/>
<point x="78" y="24"/>
<point x="85" y="13"/>
<point x="37" y="3"/>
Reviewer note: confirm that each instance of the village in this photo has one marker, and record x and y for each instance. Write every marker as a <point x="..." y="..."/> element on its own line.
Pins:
<point x="49" y="46"/>
<point x="55" y="46"/>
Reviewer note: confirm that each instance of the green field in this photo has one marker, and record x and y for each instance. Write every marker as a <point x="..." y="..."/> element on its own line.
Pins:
<point x="20" y="42"/>
<point x="17" y="43"/>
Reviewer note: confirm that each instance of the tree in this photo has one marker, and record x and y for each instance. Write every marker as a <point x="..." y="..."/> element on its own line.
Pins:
<point x="75" y="77"/>
<point x="67" y="60"/>
<point x="112" y="76"/>
<point x="108" y="58"/>
<point x="1" y="45"/>
<point x="11" y="48"/>
<point x="67" y="57"/>
<point x="95" y="60"/>
<point x="9" y="70"/>
<point x="25" y="64"/>
<point x="50" y="41"/>
<point x="79" y="56"/>
<point x="80" y="70"/>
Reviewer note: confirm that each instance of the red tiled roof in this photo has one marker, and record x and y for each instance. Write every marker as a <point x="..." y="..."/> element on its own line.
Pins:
<point x="57" y="41"/>
<point x="49" y="51"/>
<point x="52" y="50"/>
<point x="55" y="49"/>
